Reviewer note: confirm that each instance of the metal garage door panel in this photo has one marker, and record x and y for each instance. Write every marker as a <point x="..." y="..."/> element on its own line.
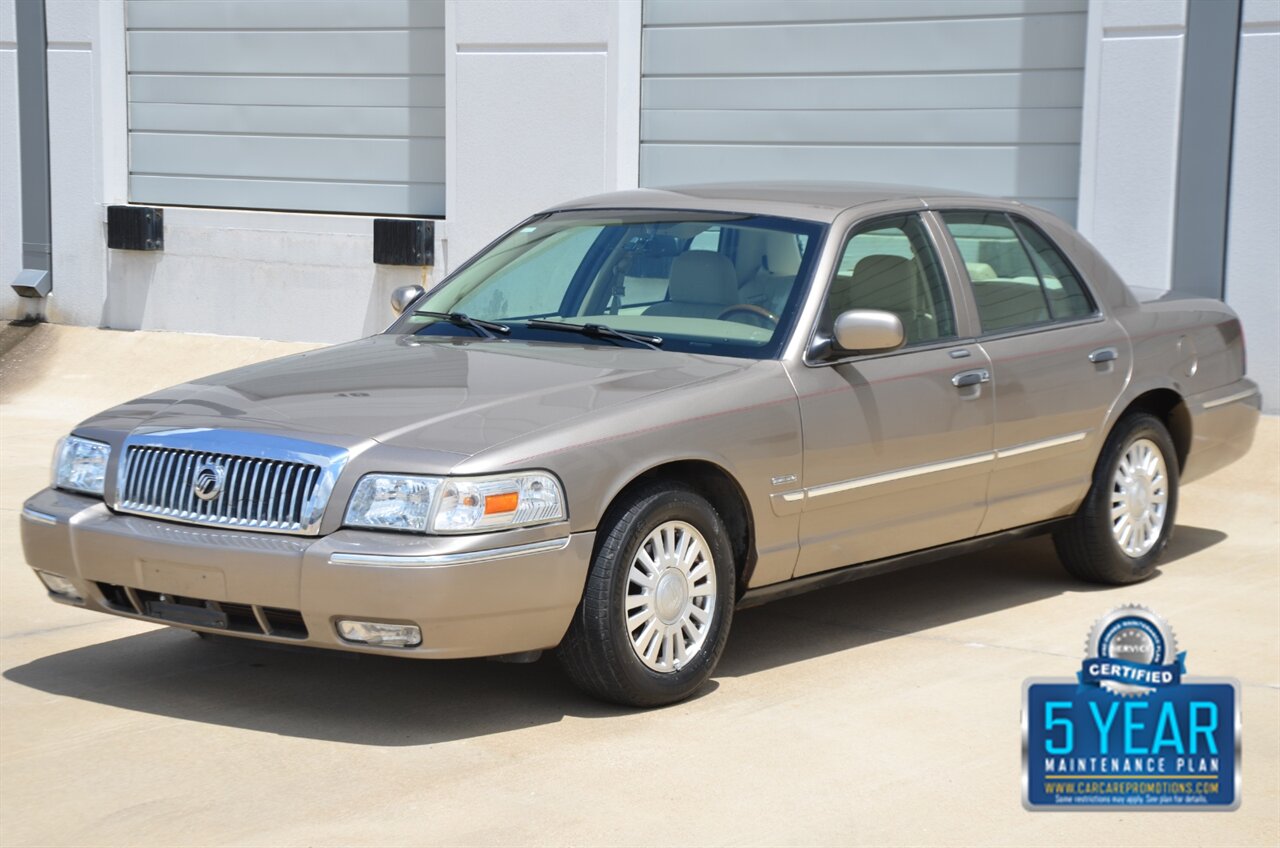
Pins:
<point x="988" y="90"/>
<point x="366" y="121"/>
<point x="406" y="91"/>
<point x="867" y="126"/>
<point x="357" y="198"/>
<point x="319" y="158"/>
<point x="974" y="95"/>
<point x="331" y="105"/>
<point x="281" y="14"/>
<point x="772" y="11"/>
<point x="1045" y="174"/>
<point x="867" y="46"/>
<point x="311" y="52"/>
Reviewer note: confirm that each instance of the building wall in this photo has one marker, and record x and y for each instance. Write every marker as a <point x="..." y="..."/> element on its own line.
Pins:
<point x="542" y="104"/>
<point x="10" y="166"/>
<point x="1129" y="141"/>
<point x="1130" y="159"/>
<point x="544" y="107"/>
<point x="1253" y="235"/>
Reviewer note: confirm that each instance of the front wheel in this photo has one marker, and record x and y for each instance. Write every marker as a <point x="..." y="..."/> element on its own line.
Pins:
<point x="658" y="603"/>
<point x="1127" y="518"/>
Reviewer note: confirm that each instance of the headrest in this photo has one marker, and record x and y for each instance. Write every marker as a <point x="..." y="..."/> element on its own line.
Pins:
<point x="702" y="276"/>
<point x="881" y="267"/>
<point x="882" y="281"/>
<point x="781" y="254"/>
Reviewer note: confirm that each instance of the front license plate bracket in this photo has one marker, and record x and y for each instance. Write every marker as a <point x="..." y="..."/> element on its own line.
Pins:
<point x="186" y="614"/>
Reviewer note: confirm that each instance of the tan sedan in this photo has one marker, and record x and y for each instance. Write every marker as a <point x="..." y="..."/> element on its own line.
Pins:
<point x="634" y="413"/>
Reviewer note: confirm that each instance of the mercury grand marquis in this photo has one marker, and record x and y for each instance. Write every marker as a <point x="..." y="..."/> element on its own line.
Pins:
<point x="636" y="412"/>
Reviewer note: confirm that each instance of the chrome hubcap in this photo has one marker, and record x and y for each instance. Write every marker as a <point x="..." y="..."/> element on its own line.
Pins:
<point x="1139" y="498"/>
<point x="671" y="596"/>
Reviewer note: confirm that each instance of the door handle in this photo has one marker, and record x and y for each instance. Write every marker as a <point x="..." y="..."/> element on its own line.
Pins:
<point x="1104" y="354"/>
<point x="971" y="378"/>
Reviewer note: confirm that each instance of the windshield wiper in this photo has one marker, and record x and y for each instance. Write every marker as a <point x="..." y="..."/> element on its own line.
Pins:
<point x="488" y="329"/>
<point x="596" y="331"/>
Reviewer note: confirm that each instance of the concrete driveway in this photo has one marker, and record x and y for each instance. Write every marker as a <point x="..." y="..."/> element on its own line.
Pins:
<point x="880" y="712"/>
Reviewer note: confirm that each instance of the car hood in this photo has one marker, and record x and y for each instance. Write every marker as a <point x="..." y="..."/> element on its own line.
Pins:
<point x="458" y="397"/>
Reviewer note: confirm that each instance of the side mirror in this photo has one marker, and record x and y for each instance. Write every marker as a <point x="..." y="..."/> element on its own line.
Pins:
<point x="402" y="297"/>
<point x="868" y="331"/>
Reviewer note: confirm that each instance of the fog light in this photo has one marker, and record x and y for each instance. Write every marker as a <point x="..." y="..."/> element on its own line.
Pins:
<point x="60" y="586"/>
<point x="378" y="633"/>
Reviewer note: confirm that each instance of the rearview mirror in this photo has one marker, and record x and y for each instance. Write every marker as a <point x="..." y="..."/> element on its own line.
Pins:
<point x="868" y="331"/>
<point x="402" y="297"/>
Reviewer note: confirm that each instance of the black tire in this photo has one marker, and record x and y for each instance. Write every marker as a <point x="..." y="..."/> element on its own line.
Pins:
<point x="597" y="653"/>
<point x="1086" y="545"/>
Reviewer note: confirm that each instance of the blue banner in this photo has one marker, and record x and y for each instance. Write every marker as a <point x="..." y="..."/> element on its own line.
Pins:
<point x="1176" y="748"/>
<point x="1097" y="669"/>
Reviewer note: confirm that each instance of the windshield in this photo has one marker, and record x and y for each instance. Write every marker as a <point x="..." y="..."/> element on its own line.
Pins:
<point x="724" y="284"/>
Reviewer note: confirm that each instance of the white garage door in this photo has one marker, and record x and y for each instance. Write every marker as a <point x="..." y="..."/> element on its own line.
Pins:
<point x="977" y="95"/>
<point x="323" y="105"/>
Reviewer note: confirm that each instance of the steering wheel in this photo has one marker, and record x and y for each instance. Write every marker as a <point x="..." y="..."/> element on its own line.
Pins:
<point x="750" y="309"/>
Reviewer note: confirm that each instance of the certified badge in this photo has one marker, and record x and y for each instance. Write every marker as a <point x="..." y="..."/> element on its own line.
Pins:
<point x="1131" y="730"/>
<point x="1131" y="651"/>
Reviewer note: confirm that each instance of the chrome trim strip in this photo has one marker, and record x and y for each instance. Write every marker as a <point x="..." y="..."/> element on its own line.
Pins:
<point x="1229" y="399"/>
<point x="934" y="468"/>
<point x="461" y="558"/>
<point x="902" y="474"/>
<point x="1043" y="444"/>
<point x="39" y="517"/>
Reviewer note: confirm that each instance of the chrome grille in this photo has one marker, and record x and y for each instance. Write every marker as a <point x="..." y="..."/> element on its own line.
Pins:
<point x="256" y="492"/>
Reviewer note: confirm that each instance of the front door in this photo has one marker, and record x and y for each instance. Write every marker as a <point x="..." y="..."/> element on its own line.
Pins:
<point x="898" y="446"/>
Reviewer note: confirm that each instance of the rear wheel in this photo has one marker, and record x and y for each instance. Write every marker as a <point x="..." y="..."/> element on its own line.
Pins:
<point x="658" y="603"/>
<point x="1127" y="518"/>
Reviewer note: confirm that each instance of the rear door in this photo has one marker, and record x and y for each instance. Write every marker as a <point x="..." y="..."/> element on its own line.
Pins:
<point x="1058" y="363"/>
<point x="898" y="445"/>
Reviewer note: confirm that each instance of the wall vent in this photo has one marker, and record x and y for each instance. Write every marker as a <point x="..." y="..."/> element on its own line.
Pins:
<point x="403" y="241"/>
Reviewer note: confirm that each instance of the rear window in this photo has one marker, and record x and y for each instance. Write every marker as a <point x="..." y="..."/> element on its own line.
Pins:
<point x="1019" y="278"/>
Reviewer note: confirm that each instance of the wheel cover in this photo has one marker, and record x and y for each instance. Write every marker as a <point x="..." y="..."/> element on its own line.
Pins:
<point x="671" y="596"/>
<point x="1139" y="498"/>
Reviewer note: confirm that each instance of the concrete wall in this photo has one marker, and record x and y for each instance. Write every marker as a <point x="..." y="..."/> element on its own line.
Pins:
<point x="544" y="106"/>
<point x="1253" y="245"/>
<point x="1129" y="141"/>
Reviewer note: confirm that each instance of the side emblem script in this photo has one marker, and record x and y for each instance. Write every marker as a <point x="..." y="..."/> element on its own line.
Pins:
<point x="208" y="481"/>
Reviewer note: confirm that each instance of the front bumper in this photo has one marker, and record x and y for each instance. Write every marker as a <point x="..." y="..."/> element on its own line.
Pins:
<point x="472" y="596"/>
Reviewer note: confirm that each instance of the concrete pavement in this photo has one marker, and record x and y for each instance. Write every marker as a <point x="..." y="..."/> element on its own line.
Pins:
<point x="880" y="712"/>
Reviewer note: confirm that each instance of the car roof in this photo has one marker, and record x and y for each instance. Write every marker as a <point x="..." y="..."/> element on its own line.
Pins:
<point x="815" y="201"/>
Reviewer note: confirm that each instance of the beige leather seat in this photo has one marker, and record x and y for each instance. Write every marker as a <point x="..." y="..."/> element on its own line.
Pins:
<point x="773" y="280"/>
<point x="703" y="284"/>
<point x="1004" y="304"/>
<point x="888" y="283"/>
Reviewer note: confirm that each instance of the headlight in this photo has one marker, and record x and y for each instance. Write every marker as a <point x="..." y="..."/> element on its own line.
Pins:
<point x="392" y="503"/>
<point x="454" y="504"/>
<point x="80" y="465"/>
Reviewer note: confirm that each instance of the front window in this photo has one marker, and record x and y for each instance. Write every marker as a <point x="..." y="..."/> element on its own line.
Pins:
<point x="723" y="284"/>
<point x="889" y="265"/>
